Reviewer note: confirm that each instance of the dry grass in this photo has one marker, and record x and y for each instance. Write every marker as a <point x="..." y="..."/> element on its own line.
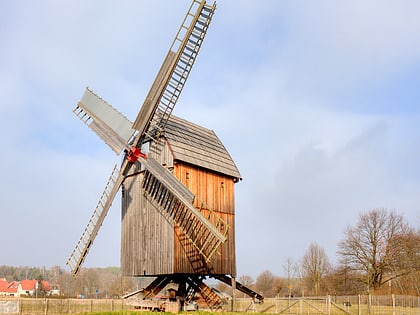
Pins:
<point x="315" y="306"/>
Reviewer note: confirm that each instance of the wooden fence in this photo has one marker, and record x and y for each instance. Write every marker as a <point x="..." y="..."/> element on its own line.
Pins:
<point x="334" y="305"/>
<point x="327" y="305"/>
<point x="31" y="306"/>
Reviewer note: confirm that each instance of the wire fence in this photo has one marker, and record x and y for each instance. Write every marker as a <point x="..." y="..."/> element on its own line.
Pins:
<point x="326" y="305"/>
<point x="334" y="305"/>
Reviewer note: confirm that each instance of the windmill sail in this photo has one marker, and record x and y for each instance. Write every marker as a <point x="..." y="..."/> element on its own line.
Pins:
<point x="117" y="131"/>
<point x="109" y="124"/>
<point x="206" y="236"/>
<point x="175" y="70"/>
<point x="82" y="247"/>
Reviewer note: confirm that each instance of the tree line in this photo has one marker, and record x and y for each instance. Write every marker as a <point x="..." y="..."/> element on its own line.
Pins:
<point x="90" y="283"/>
<point x="380" y="254"/>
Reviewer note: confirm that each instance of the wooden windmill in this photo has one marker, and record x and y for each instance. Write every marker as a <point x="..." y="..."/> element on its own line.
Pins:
<point x="177" y="182"/>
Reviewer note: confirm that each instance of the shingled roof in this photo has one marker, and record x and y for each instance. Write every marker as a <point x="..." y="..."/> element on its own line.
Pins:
<point x="199" y="146"/>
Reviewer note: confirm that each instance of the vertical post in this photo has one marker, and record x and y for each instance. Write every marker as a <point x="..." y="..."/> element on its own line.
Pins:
<point x="232" y="307"/>
<point x="328" y="304"/>
<point x="300" y="306"/>
<point x="46" y="307"/>
<point x="359" y="305"/>
<point x="393" y="304"/>
<point x="369" y="303"/>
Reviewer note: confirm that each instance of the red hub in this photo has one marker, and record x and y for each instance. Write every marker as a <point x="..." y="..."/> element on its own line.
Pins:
<point x="134" y="154"/>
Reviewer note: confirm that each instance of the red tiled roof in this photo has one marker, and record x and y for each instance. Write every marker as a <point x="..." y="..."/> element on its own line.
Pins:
<point x="8" y="287"/>
<point x="3" y="285"/>
<point x="13" y="287"/>
<point x="45" y="285"/>
<point x="28" y="284"/>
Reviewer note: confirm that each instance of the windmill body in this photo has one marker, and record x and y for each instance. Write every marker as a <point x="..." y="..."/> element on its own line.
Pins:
<point x="178" y="195"/>
<point x="152" y="244"/>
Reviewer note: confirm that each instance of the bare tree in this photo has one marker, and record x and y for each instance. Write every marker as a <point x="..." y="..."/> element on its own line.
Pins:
<point x="315" y="265"/>
<point x="406" y="262"/>
<point x="246" y="280"/>
<point x="86" y="283"/>
<point x="291" y="270"/>
<point x="264" y="282"/>
<point x="268" y="284"/>
<point x="367" y="247"/>
<point x="341" y="280"/>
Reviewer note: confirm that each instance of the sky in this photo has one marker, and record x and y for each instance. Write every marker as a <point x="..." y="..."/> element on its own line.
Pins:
<point x="318" y="103"/>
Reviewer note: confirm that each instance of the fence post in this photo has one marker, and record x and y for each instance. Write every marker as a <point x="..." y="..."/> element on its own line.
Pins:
<point x="359" y="305"/>
<point x="300" y="306"/>
<point x="328" y="304"/>
<point x="233" y="282"/>
<point x="46" y="307"/>
<point x="393" y="304"/>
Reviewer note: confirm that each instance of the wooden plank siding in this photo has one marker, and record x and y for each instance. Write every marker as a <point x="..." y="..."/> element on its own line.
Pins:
<point x="217" y="192"/>
<point x="147" y="238"/>
<point x="152" y="246"/>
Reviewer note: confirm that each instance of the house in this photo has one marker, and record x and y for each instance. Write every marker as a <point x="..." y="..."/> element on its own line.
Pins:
<point x="22" y="288"/>
<point x="8" y="288"/>
<point x="28" y="287"/>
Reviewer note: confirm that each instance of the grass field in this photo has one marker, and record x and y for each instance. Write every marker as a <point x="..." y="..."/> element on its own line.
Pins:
<point x="385" y="305"/>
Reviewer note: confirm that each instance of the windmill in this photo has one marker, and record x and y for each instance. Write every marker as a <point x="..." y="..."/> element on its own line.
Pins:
<point x="169" y="231"/>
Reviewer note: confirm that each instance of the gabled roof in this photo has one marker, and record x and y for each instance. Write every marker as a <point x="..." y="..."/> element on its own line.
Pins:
<point x="3" y="285"/>
<point x="28" y="284"/>
<point x="8" y="287"/>
<point x="45" y="285"/>
<point x="199" y="146"/>
<point x="13" y="287"/>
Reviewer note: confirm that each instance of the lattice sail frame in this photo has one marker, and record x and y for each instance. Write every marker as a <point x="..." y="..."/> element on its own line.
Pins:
<point x="119" y="134"/>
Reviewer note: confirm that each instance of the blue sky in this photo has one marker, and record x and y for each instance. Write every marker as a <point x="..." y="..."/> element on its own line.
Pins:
<point x="317" y="102"/>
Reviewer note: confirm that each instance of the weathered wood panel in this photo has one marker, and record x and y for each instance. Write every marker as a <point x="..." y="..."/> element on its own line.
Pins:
<point x="151" y="245"/>
<point x="215" y="190"/>
<point x="217" y="193"/>
<point x="222" y="262"/>
<point x="147" y="238"/>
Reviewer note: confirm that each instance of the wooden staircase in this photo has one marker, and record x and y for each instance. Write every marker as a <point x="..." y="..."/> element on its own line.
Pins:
<point x="175" y="202"/>
<point x="212" y="299"/>
<point x="197" y="261"/>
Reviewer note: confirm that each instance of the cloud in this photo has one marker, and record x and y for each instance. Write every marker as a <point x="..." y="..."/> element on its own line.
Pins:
<point x="316" y="102"/>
